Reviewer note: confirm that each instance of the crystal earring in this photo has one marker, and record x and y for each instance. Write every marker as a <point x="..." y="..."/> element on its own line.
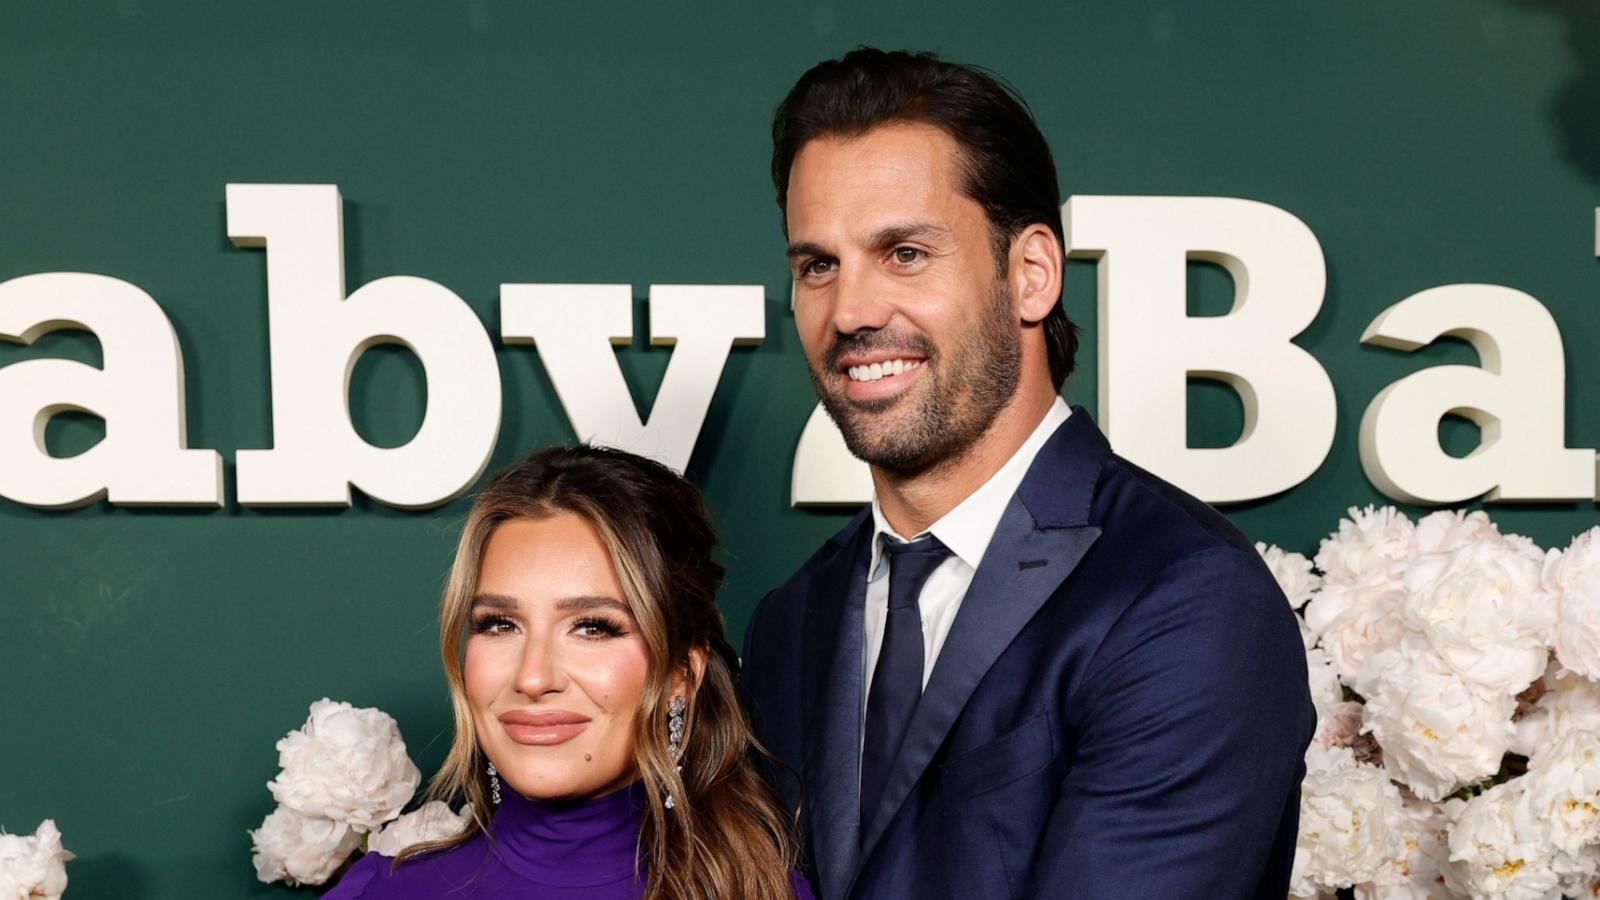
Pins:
<point x="494" y="785"/>
<point x="675" y="725"/>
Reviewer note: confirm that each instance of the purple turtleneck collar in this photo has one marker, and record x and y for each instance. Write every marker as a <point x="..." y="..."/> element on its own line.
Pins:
<point x="585" y="850"/>
<point x="584" y="843"/>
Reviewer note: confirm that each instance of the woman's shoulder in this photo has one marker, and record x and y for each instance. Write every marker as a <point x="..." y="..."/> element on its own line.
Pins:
<point x="377" y="877"/>
<point x="353" y="884"/>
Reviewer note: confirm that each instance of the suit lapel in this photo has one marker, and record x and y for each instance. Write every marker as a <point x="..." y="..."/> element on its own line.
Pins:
<point x="833" y="661"/>
<point x="1041" y="537"/>
<point x="1023" y="566"/>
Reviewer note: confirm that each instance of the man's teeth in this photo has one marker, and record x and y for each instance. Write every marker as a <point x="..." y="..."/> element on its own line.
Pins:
<point x="875" y="371"/>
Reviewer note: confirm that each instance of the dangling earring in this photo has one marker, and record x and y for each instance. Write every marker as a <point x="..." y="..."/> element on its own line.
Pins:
<point x="675" y="724"/>
<point x="494" y="785"/>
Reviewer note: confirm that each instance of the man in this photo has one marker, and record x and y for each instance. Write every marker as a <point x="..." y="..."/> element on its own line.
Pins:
<point x="1029" y="669"/>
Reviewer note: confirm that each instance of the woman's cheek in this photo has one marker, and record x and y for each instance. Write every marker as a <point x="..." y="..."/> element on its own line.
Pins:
<point x="479" y="669"/>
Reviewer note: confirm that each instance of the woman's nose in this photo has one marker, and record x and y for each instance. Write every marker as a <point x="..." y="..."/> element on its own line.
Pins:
<point x="540" y="672"/>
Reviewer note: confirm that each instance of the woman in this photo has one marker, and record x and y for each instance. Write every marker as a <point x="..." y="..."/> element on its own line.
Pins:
<point x="599" y="743"/>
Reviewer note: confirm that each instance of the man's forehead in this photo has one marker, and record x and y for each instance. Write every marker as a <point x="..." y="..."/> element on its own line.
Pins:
<point x="892" y="145"/>
<point x="879" y="180"/>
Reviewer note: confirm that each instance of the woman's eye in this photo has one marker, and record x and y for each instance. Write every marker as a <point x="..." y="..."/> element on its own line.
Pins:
<point x="596" y="628"/>
<point x="492" y="625"/>
<point x="905" y="256"/>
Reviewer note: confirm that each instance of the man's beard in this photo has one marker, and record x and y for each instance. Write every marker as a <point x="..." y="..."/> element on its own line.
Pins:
<point x="939" y="421"/>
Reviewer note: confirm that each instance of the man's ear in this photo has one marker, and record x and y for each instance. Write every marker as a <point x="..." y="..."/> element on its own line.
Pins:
<point x="1035" y="272"/>
<point x="686" y="680"/>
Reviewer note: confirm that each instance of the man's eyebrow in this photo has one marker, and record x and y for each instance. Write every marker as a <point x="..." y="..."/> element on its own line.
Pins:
<point x="905" y="231"/>
<point x="883" y="237"/>
<point x="805" y="248"/>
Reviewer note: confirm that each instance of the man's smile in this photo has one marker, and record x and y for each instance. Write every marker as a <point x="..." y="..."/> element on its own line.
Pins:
<point x="881" y="379"/>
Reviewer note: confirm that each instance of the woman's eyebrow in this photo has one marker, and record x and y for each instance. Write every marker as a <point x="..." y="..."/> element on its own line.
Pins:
<point x="494" y="601"/>
<point x="591" y="601"/>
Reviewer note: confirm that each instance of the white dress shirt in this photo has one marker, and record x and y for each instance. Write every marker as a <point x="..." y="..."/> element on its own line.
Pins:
<point x="966" y="530"/>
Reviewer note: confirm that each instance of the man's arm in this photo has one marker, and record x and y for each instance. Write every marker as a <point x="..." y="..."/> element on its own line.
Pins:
<point x="1191" y="726"/>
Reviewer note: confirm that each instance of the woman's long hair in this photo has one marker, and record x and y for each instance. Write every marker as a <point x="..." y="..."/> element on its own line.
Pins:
<point x="725" y="836"/>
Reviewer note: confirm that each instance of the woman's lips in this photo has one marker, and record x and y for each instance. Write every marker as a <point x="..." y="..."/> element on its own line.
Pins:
<point x="543" y="729"/>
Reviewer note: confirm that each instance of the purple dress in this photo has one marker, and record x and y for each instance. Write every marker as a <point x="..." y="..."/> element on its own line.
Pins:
<point x="541" y="850"/>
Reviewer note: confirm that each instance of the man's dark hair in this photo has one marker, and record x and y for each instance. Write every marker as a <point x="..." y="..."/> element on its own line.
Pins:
<point x="1006" y="165"/>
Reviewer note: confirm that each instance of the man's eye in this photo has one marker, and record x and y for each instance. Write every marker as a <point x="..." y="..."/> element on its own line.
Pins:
<point x="905" y="256"/>
<point x="815" y="267"/>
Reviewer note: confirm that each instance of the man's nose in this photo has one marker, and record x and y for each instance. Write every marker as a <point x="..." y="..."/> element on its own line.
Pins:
<point x="541" y="671"/>
<point x="859" y="301"/>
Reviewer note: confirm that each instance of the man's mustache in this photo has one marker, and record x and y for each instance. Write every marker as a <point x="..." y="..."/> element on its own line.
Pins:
<point x="863" y="342"/>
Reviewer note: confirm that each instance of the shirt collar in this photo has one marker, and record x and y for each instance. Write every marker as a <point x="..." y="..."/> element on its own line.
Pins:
<point x="968" y="528"/>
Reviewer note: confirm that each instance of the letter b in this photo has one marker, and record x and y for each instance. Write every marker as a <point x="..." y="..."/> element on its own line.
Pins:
<point x="318" y="334"/>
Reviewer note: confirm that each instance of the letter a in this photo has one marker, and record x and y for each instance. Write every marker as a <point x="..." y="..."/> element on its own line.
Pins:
<point x="1517" y="399"/>
<point x="143" y="460"/>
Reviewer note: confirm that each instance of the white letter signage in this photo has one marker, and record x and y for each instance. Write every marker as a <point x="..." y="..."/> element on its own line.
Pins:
<point x="143" y="459"/>
<point x="1149" y="346"/>
<point x="575" y="326"/>
<point x="317" y="335"/>
<point x="1517" y="399"/>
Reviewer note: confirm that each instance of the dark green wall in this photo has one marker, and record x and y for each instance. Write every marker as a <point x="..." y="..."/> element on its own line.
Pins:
<point x="149" y="659"/>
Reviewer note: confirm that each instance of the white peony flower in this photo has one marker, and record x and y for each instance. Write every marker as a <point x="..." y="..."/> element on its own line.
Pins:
<point x="1483" y="610"/>
<point x="1415" y="873"/>
<point x="345" y="764"/>
<point x="1293" y="572"/>
<point x="1579" y="872"/>
<point x="1568" y="702"/>
<point x="1307" y="636"/>
<point x="1446" y="531"/>
<point x="1497" y="852"/>
<point x="1366" y="544"/>
<point x="1349" y="814"/>
<point x="1573" y="575"/>
<point x="432" y="822"/>
<point x="1564" y="567"/>
<point x="1354" y="622"/>
<point x="33" y="866"/>
<point x="1562" y="791"/>
<point x="1438" y="731"/>
<point x="299" y="849"/>
<point x="1325" y="688"/>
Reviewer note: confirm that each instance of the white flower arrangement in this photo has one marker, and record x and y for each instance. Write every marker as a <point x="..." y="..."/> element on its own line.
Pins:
<point x="344" y="775"/>
<point x="33" y="867"/>
<point x="1456" y="676"/>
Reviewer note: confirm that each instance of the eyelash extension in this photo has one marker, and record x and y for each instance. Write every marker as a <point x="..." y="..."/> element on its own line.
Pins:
<point x="486" y="624"/>
<point x="606" y="627"/>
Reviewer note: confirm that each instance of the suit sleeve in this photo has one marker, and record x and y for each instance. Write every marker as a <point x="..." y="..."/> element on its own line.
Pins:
<point x="1191" y="724"/>
<point x="750" y="659"/>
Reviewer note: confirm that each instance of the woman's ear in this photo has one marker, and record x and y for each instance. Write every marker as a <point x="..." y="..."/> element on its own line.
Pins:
<point x="686" y="681"/>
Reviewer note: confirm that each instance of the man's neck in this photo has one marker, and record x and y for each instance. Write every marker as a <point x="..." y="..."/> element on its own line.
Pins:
<point x="913" y="502"/>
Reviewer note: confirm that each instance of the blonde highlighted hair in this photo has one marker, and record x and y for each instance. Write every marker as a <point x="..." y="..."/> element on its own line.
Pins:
<point x="725" y="836"/>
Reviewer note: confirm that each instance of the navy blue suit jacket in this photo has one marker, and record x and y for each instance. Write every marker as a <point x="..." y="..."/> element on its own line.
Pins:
<point x="1120" y="709"/>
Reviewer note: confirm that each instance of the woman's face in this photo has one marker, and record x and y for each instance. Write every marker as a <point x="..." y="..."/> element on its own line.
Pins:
<point x="555" y="666"/>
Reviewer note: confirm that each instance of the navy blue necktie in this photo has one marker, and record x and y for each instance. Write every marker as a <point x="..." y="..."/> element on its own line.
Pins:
<point x="897" y="678"/>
